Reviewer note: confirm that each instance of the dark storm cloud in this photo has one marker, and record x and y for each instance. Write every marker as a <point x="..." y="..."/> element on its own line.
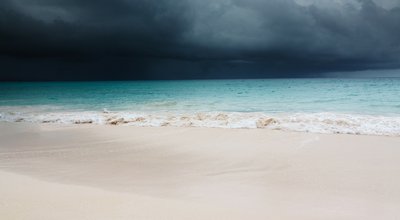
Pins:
<point x="70" y="28"/>
<point x="143" y="39"/>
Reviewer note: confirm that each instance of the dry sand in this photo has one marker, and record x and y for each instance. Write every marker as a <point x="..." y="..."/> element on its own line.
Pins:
<point x="115" y="172"/>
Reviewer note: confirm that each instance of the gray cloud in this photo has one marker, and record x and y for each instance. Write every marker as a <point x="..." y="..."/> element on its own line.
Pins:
<point x="344" y="31"/>
<point x="196" y="39"/>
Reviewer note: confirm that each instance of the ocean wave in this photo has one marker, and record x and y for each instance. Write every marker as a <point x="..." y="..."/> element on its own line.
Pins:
<point x="304" y="122"/>
<point x="163" y="104"/>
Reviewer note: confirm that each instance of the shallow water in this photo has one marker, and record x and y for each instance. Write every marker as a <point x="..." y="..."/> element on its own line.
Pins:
<point x="366" y="106"/>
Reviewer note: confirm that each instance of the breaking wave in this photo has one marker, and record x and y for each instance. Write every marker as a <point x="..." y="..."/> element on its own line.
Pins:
<point x="305" y="122"/>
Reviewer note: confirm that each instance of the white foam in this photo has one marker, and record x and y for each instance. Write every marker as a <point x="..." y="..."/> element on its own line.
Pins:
<point x="305" y="122"/>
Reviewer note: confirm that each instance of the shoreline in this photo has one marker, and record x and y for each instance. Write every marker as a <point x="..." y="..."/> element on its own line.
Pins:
<point x="56" y="125"/>
<point x="182" y="172"/>
<point x="320" y="123"/>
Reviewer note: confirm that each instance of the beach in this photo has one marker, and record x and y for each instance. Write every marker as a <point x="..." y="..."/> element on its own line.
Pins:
<point x="86" y="171"/>
<point x="208" y="110"/>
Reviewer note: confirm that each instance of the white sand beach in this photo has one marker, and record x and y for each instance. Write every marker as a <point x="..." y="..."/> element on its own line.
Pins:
<point x="50" y="171"/>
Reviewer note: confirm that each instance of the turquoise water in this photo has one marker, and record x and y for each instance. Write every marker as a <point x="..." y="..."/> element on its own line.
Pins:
<point x="276" y="98"/>
<point x="369" y="96"/>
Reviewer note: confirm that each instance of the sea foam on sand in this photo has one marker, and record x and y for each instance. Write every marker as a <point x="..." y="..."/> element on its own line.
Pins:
<point x="325" y="122"/>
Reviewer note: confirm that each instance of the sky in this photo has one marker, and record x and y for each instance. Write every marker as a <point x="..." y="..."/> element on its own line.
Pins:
<point x="198" y="39"/>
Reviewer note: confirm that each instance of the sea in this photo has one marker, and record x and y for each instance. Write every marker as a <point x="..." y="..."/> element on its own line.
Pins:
<point x="368" y="106"/>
